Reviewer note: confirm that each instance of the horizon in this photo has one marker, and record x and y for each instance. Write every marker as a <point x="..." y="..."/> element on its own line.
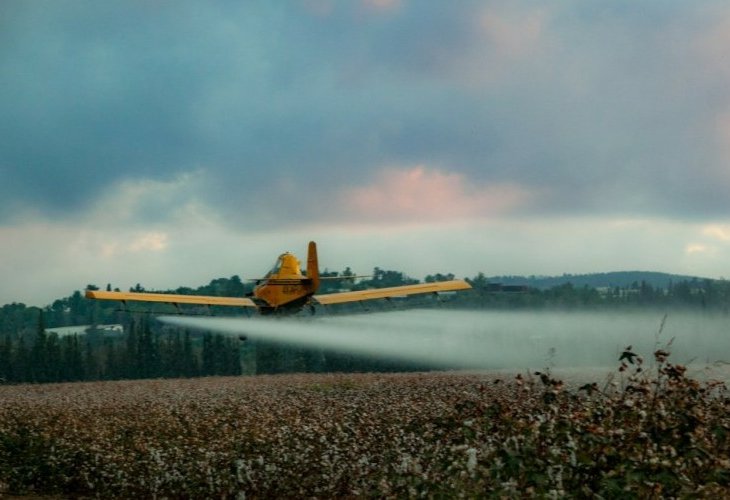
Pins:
<point x="517" y="277"/>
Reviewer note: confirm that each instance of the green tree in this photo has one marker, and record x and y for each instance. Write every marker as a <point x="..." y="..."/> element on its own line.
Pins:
<point x="190" y="361"/>
<point x="22" y="362"/>
<point x="72" y="364"/>
<point x="53" y="358"/>
<point x="433" y="278"/>
<point x="149" y="353"/>
<point x="39" y="367"/>
<point x="6" y="359"/>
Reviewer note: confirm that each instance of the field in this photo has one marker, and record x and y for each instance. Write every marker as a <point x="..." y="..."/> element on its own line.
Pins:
<point x="396" y="435"/>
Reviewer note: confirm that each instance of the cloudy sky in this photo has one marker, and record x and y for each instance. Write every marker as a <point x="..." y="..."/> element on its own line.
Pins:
<point x="170" y="143"/>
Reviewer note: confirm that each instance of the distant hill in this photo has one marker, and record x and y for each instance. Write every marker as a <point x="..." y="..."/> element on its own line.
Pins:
<point x="622" y="279"/>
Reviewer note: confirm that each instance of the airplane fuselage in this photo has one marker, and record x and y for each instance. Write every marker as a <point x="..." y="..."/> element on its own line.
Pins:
<point x="285" y="286"/>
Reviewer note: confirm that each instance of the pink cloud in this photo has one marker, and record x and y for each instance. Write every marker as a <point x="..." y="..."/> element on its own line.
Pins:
<point x="420" y="194"/>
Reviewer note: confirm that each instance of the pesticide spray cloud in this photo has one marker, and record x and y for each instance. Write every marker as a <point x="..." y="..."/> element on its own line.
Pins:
<point x="490" y="340"/>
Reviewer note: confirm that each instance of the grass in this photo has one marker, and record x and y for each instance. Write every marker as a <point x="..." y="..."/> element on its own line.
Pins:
<point x="646" y="432"/>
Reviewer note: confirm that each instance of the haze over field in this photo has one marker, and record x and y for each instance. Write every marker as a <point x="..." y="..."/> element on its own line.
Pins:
<point x="169" y="143"/>
<point x="514" y="340"/>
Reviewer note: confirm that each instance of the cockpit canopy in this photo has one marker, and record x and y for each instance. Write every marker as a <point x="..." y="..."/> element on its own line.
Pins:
<point x="286" y="265"/>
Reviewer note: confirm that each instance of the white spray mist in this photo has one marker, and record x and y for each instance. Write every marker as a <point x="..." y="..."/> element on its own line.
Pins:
<point x="488" y="339"/>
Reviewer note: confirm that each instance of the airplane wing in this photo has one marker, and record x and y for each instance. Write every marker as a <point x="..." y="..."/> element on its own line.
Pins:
<point x="394" y="291"/>
<point x="171" y="298"/>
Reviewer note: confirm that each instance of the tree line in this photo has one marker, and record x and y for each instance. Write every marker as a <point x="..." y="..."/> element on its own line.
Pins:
<point x="142" y="351"/>
<point x="147" y="349"/>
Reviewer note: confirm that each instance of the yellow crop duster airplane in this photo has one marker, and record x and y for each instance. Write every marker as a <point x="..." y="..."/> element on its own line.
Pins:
<point x="285" y="289"/>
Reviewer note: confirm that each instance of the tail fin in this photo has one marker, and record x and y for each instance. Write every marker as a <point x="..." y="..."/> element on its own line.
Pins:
<point x="313" y="266"/>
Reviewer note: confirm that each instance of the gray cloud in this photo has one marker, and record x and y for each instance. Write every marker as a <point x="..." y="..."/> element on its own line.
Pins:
<point x="610" y="108"/>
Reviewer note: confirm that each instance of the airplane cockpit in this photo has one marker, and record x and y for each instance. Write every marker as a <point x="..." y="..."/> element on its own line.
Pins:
<point x="275" y="268"/>
<point x="287" y="264"/>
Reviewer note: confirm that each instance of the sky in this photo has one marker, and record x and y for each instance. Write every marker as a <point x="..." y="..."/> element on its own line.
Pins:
<point x="170" y="143"/>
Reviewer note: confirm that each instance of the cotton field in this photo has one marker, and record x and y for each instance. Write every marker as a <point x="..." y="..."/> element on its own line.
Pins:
<point x="395" y="435"/>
